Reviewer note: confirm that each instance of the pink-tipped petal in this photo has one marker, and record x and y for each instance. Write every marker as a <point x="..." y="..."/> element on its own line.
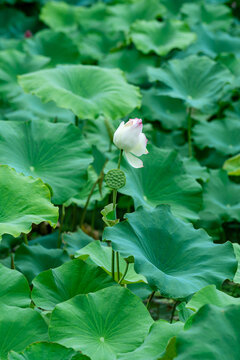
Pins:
<point x="134" y="161"/>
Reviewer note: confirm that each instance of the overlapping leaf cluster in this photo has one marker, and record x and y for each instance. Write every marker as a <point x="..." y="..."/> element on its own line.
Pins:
<point x="69" y="73"/>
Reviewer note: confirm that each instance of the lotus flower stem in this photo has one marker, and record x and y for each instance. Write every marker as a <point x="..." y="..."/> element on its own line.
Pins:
<point x="12" y="262"/>
<point x="87" y="202"/>
<point x="76" y="121"/>
<point x="113" y="264"/>
<point x="114" y="208"/>
<point x="173" y="311"/>
<point x="60" y="227"/>
<point x="150" y="299"/>
<point x="25" y="239"/>
<point x="124" y="274"/>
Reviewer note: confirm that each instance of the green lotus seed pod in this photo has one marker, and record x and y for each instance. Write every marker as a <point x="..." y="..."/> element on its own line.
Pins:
<point x="115" y="179"/>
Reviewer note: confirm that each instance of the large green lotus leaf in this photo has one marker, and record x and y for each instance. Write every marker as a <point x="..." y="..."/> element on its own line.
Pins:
<point x="221" y="197"/>
<point x="19" y="328"/>
<point x="214" y="43"/>
<point x="56" y="153"/>
<point x="206" y="339"/>
<point x="124" y="15"/>
<point x="25" y="107"/>
<point x="14" y="63"/>
<point x="32" y="260"/>
<point x="102" y="256"/>
<point x="24" y="200"/>
<point x="170" y="112"/>
<point x="210" y="295"/>
<point x="232" y="165"/>
<point x="14" y="290"/>
<point x="101" y="324"/>
<point x="132" y="62"/>
<point x="197" y="80"/>
<point x="161" y="38"/>
<point x="89" y="91"/>
<point x="43" y="351"/>
<point x="222" y="135"/>
<point x="59" y="16"/>
<point x="217" y="17"/>
<point x="75" y="241"/>
<point x="156" y="341"/>
<point x="236" y="248"/>
<point x="57" y="46"/>
<point x="163" y="180"/>
<point x="175" y="258"/>
<point x="76" y="277"/>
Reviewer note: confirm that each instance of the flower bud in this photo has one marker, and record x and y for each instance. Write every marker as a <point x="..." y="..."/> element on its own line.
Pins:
<point x="130" y="138"/>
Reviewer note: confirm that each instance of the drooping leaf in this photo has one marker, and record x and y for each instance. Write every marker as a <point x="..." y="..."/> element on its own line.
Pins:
<point x="89" y="91"/>
<point x="76" y="277"/>
<point x="32" y="260"/>
<point x="156" y="341"/>
<point x="24" y="200"/>
<point x="210" y="295"/>
<point x="232" y="165"/>
<point x="54" y="152"/>
<point x="97" y="325"/>
<point x="95" y="253"/>
<point x="19" y="328"/>
<point x="14" y="290"/>
<point x="175" y="258"/>
<point x="221" y="197"/>
<point x="197" y="80"/>
<point x="209" y="327"/>
<point x="221" y="134"/>
<point x="163" y="180"/>
<point x="161" y="38"/>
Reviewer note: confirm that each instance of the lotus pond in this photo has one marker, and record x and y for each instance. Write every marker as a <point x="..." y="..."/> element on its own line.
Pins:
<point x="120" y="180"/>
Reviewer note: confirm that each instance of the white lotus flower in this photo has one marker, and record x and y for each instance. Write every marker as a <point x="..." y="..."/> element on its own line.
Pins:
<point x="130" y="138"/>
